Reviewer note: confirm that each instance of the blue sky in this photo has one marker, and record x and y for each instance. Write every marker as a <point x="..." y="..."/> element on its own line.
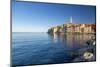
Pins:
<point x="38" y="17"/>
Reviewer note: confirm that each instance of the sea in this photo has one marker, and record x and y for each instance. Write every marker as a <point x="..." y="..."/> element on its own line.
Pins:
<point x="36" y="48"/>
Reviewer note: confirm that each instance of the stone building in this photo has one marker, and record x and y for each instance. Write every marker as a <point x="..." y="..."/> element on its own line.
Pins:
<point x="74" y="28"/>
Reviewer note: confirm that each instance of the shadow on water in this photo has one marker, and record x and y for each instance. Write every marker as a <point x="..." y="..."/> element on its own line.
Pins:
<point x="72" y="40"/>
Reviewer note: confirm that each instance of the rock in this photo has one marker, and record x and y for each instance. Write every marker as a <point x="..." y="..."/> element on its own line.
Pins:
<point x="88" y="55"/>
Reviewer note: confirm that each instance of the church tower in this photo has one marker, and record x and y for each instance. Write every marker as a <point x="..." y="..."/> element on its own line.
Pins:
<point x="71" y="20"/>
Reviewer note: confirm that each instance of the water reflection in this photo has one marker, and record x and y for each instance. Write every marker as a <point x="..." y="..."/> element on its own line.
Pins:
<point x="72" y="40"/>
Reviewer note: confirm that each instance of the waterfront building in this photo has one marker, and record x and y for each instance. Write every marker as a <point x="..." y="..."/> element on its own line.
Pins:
<point x="74" y="28"/>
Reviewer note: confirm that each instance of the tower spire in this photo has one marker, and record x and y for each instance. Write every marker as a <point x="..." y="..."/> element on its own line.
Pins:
<point x="71" y="20"/>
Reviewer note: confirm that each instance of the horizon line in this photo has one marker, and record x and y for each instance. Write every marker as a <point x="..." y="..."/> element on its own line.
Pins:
<point x="27" y="32"/>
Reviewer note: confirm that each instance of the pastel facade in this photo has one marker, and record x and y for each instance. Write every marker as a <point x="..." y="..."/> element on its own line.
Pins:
<point x="74" y="28"/>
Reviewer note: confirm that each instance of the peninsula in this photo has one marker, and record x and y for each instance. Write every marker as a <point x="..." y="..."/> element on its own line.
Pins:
<point x="73" y="28"/>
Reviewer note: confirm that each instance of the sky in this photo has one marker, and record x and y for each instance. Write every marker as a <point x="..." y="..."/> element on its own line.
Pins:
<point x="39" y="17"/>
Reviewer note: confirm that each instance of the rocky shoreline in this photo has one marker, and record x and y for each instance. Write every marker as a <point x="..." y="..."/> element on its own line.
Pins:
<point x="86" y="53"/>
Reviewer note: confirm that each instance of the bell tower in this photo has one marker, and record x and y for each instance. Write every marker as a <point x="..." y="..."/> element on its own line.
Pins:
<point x="71" y="20"/>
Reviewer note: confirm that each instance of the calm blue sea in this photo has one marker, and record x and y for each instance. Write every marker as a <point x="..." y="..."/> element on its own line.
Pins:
<point x="30" y="48"/>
